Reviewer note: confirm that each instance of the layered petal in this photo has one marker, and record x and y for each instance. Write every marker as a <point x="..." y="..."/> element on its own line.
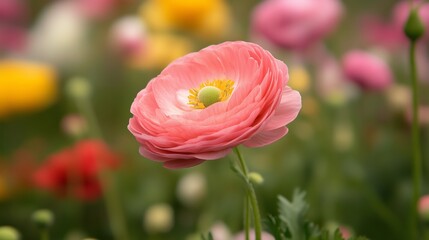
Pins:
<point x="172" y="131"/>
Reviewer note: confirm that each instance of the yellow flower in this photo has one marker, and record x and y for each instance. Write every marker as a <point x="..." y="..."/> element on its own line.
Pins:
<point x="161" y="49"/>
<point x="25" y="86"/>
<point x="299" y="79"/>
<point x="207" y="18"/>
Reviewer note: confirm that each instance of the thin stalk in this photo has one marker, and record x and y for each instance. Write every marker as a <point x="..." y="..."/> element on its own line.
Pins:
<point x="417" y="162"/>
<point x="247" y="218"/>
<point x="252" y="197"/>
<point x="44" y="234"/>
<point x="116" y="217"/>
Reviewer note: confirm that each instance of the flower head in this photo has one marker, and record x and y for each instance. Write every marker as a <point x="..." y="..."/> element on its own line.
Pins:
<point x="207" y="18"/>
<point x="177" y="127"/>
<point x="368" y="71"/>
<point x="25" y="86"/>
<point x="75" y="170"/>
<point x="296" y="24"/>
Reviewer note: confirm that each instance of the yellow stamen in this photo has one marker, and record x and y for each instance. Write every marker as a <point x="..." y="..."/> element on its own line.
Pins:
<point x="197" y="101"/>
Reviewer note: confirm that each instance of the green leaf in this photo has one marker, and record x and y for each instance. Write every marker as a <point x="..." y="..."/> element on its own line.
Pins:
<point x="209" y="236"/>
<point x="293" y="214"/>
<point x="235" y="169"/>
<point x="276" y="227"/>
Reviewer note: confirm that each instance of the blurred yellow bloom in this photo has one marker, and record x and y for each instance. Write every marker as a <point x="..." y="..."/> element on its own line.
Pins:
<point x="160" y="50"/>
<point x="299" y="79"/>
<point x="25" y="86"/>
<point x="207" y="18"/>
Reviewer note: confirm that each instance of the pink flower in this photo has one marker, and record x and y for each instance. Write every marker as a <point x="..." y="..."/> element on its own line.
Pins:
<point x="423" y="115"/>
<point x="12" y="11"/>
<point x="367" y="70"/>
<point x="96" y="9"/>
<point x="346" y="233"/>
<point x="206" y="103"/>
<point x="424" y="207"/>
<point x="385" y="34"/>
<point x="296" y="24"/>
<point x="128" y="36"/>
<point x="12" y="38"/>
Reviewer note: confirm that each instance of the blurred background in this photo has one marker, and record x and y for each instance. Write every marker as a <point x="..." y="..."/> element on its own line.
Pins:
<point x="349" y="148"/>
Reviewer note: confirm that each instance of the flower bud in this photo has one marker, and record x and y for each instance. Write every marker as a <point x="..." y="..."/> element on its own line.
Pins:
<point x="159" y="218"/>
<point x="414" y="28"/>
<point x="191" y="189"/>
<point x="9" y="233"/>
<point x="78" y="87"/>
<point x="74" y="125"/>
<point x="43" y="218"/>
<point x="256" y="178"/>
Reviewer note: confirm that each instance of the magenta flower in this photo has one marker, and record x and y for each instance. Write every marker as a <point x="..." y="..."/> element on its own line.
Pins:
<point x="12" y="11"/>
<point x="296" y="24"/>
<point x="206" y="103"/>
<point x="367" y="70"/>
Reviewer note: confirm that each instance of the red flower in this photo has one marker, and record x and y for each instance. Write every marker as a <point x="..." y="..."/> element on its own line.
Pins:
<point x="75" y="170"/>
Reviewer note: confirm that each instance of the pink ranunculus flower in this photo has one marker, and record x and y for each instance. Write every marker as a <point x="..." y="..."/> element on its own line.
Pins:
<point x="368" y="71"/>
<point x="206" y="103"/>
<point x="296" y="24"/>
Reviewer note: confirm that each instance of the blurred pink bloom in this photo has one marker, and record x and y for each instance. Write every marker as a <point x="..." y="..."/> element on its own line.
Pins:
<point x="346" y="233"/>
<point x="253" y="105"/>
<point x="296" y="24"/>
<point x="242" y="236"/>
<point x="74" y="125"/>
<point x="128" y="35"/>
<point x="423" y="115"/>
<point x="220" y="231"/>
<point x="12" y="11"/>
<point x="424" y="206"/>
<point x="382" y="33"/>
<point x="402" y="10"/>
<point x="12" y="38"/>
<point x="367" y="70"/>
<point x="97" y="9"/>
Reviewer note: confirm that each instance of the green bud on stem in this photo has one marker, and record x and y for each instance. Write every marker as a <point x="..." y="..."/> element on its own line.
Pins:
<point x="414" y="28"/>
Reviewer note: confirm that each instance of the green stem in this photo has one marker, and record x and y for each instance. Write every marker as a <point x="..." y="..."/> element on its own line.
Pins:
<point x="44" y="234"/>
<point x="116" y="218"/>
<point x="247" y="217"/>
<point x="417" y="162"/>
<point x="252" y="196"/>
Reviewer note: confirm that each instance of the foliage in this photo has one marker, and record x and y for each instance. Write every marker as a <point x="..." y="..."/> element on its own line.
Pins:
<point x="291" y="222"/>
